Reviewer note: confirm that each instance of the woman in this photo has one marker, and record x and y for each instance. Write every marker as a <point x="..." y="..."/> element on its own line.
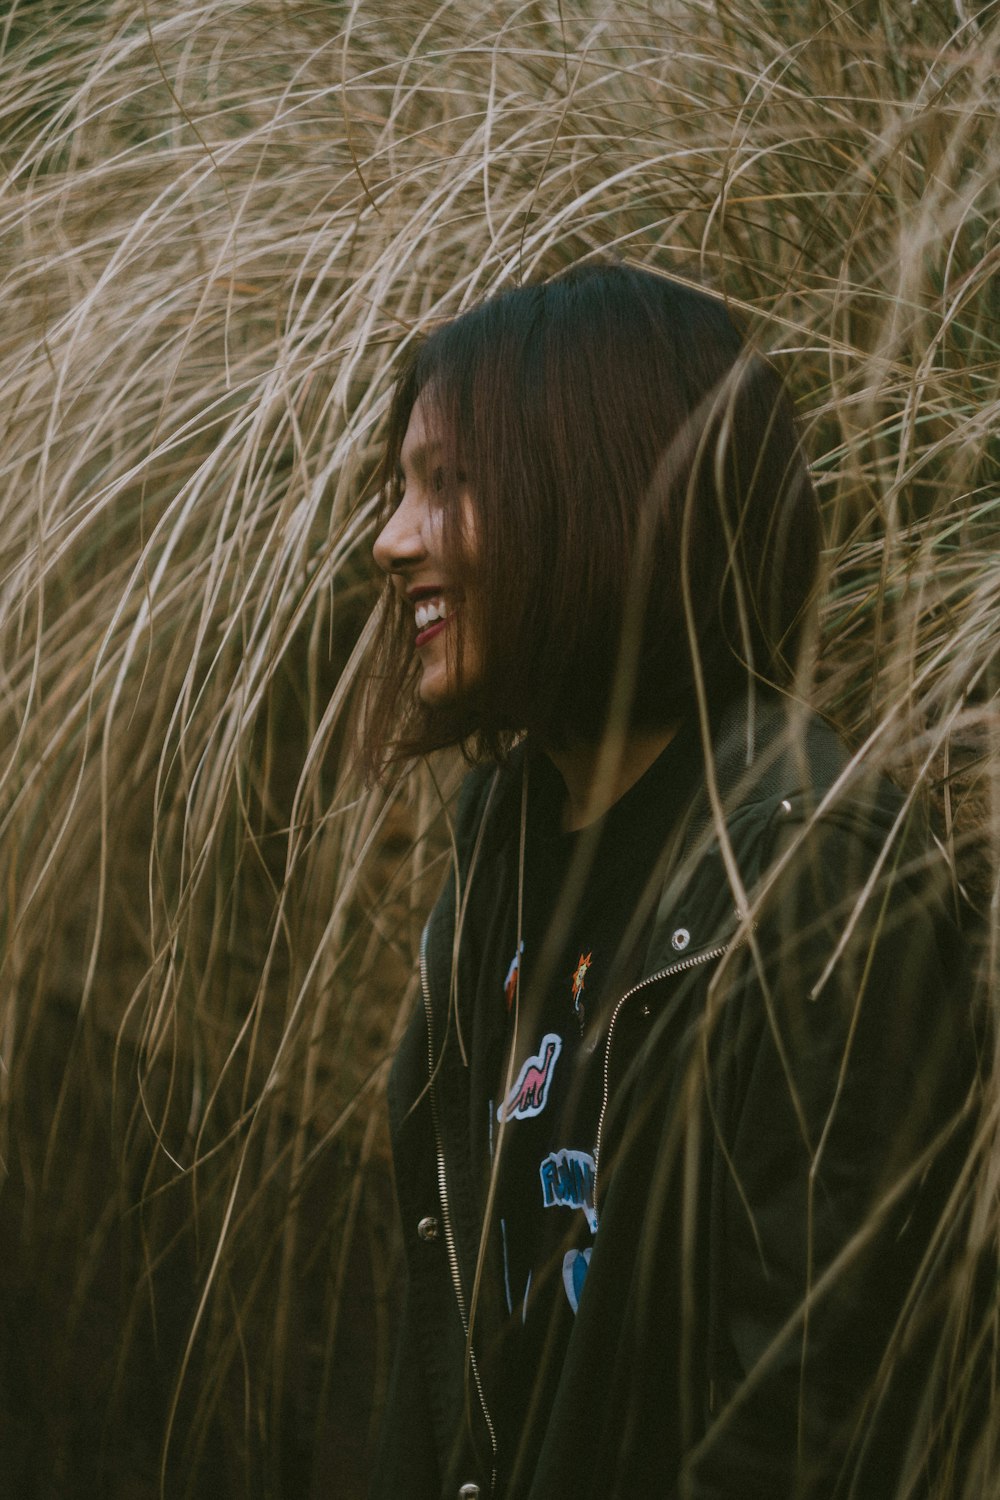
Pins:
<point x="675" y="1122"/>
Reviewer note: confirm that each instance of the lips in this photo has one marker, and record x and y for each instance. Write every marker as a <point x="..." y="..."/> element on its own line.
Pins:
<point x="423" y="636"/>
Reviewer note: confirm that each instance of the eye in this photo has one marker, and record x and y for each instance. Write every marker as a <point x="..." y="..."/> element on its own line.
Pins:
<point x="440" y="478"/>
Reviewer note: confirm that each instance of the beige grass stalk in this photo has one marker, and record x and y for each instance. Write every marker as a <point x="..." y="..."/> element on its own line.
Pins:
<point x="220" y="224"/>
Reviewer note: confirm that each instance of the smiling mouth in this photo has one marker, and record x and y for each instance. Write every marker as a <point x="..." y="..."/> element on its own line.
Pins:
<point x="431" y="615"/>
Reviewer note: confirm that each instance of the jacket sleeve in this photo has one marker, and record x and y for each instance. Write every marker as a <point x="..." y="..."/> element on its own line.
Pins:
<point x="848" y="1067"/>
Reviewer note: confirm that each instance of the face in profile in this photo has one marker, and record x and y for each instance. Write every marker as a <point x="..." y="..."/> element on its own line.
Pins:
<point x="638" y="498"/>
<point x="410" y="549"/>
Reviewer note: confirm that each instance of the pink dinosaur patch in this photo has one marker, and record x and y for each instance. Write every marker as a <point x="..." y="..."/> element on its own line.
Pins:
<point x="530" y="1093"/>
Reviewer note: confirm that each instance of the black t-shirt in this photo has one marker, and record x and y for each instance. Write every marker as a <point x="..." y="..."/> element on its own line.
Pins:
<point x="587" y="906"/>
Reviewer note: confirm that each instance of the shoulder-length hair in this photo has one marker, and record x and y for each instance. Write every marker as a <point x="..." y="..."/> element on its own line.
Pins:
<point x="642" y="511"/>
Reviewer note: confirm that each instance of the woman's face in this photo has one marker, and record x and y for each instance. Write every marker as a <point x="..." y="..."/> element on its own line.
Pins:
<point x="410" y="549"/>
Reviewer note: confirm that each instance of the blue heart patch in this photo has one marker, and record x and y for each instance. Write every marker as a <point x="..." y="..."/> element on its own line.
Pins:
<point x="575" y="1263"/>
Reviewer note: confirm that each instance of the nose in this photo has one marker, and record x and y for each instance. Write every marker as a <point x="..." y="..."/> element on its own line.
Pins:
<point x="400" y="543"/>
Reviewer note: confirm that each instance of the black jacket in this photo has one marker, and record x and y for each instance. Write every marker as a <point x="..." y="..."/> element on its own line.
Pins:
<point x="788" y="1096"/>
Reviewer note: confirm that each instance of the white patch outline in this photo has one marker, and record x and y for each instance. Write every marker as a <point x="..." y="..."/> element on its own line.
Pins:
<point x="506" y="1266"/>
<point x="509" y="1109"/>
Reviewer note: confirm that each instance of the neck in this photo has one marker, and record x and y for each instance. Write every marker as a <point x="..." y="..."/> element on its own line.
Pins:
<point x="597" y="773"/>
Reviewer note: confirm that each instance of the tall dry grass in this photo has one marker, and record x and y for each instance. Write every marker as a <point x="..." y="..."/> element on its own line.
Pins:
<point x="221" y="224"/>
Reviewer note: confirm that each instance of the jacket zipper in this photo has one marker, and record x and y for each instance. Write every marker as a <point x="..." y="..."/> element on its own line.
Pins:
<point x="676" y="968"/>
<point x="449" y="1236"/>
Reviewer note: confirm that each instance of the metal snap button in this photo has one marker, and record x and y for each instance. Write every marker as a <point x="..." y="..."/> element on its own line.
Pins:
<point x="646" y="1011"/>
<point x="429" y="1228"/>
<point x="468" y="1492"/>
<point x="680" y="939"/>
<point x="786" y="806"/>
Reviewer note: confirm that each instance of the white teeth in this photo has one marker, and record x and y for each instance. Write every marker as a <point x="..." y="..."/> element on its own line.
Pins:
<point x="432" y="609"/>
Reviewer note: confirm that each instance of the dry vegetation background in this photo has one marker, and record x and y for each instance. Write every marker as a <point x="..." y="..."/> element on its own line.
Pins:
<point x="220" y="222"/>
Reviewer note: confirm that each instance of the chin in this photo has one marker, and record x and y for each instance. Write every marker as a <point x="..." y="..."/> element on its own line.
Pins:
<point x="435" y="694"/>
<point x="439" y="690"/>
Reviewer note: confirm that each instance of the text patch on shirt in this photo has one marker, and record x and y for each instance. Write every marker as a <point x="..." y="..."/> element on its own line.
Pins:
<point x="568" y="1182"/>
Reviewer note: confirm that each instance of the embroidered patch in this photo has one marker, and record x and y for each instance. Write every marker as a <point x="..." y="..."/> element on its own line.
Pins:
<point x="575" y="1264"/>
<point x="580" y="975"/>
<point x="510" y="983"/>
<point x="530" y="1093"/>
<point x="568" y="1182"/>
<point x="579" y="979"/>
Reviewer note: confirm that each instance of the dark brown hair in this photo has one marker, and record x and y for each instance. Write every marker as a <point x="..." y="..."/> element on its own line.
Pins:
<point x="641" y="502"/>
